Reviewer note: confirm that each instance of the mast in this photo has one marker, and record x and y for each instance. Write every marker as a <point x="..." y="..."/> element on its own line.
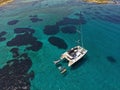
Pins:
<point x="80" y="34"/>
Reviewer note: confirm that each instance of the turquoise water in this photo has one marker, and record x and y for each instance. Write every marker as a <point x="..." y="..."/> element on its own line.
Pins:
<point x="99" y="70"/>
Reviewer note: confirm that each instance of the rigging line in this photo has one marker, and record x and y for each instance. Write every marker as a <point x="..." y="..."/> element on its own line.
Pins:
<point x="81" y="35"/>
<point x="80" y="32"/>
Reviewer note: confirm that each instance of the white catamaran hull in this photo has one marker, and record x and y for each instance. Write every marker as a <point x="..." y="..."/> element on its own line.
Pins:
<point x="74" y="54"/>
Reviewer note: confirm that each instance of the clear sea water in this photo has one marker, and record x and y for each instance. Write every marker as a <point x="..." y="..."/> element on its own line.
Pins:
<point x="99" y="70"/>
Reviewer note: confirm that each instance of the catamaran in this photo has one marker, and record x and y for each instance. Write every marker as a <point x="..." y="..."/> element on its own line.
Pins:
<point x="73" y="55"/>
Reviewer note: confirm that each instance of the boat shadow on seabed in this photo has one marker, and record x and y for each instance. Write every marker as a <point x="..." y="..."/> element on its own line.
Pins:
<point x="79" y="63"/>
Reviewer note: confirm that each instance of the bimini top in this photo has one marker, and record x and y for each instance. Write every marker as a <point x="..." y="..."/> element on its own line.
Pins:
<point x="74" y="54"/>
